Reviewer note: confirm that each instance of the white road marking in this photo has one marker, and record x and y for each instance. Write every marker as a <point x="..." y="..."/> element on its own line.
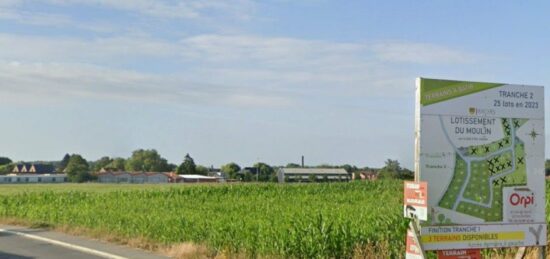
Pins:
<point x="64" y="244"/>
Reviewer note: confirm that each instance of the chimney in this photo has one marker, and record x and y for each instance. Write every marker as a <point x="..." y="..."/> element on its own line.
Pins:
<point x="302" y="161"/>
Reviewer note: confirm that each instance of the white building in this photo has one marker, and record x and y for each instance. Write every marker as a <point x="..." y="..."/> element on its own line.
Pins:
<point x="312" y="174"/>
<point x="194" y="178"/>
<point x="127" y="177"/>
<point x="33" y="178"/>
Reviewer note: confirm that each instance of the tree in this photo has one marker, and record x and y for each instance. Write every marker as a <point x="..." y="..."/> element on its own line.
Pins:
<point x="78" y="169"/>
<point x="5" y="161"/>
<point x="81" y="177"/>
<point x="6" y="165"/>
<point x="349" y="168"/>
<point x="231" y="170"/>
<point x="64" y="162"/>
<point x="392" y="169"/>
<point x="6" y="169"/>
<point x="102" y="163"/>
<point x="147" y="161"/>
<point x="293" y="165"/>
<point x="117" y="164"/>
<point x="172" y="167"/>
<point x="406" y="174"/>
<point x="188" y="166"/>
<point x="247" y="177"/>
<point x="202" y="170"/>
<point x="265" y="172"/>
<point x="274" y="178"/>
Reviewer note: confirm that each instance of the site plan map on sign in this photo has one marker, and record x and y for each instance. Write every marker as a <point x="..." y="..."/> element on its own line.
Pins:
<point x="481" y="171"/>
<point x="480" y="148"/>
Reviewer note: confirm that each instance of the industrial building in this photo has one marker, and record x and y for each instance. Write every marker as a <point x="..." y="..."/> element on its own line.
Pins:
<point x="193" y="178"/>
<point x="312" y="175"/>
<point x="152" y="177"/>
<point x="33" y="178"/>
<point x="140" y="177"/>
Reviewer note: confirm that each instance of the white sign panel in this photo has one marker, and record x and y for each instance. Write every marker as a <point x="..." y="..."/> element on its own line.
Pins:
<point x="480" y="147"/>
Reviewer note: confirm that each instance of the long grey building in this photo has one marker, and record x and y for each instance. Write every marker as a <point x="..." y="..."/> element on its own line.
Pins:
<point x="135" y="177"/>
<point x="33" y="178"/>
<point x="312" y="174"/>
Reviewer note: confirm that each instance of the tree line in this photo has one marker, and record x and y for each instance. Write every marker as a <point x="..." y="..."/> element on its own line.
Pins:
<point x="78" y="169"/>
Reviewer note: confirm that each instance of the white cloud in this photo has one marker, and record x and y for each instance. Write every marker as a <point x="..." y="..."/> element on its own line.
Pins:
<point x="297" y="65"/>
<point x="189" y="9"/>
<point x="263" y="49"/>
<point x="38" y="82"/>
<point x="255" y="100"/>
<point x="99" y="50"/>
<point x="10" y="3"/>
<point x="144" y="13"/>
<point x="421" y="53"/>
<point x="280" y="50"/>
<point x="33" y="18"/>
<point x="235" y="70"/>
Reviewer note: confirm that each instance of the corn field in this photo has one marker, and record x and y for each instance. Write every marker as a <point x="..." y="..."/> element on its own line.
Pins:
<point x="340" y="220"/>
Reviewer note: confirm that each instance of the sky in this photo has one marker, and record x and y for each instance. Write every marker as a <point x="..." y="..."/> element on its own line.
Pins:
<point x="247" y="80"/>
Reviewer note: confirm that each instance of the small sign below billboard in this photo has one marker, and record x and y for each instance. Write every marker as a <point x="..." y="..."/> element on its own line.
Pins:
<point x="415" y="204"/>
<point x="412" y="249"/>
<point x="459" y="254"/>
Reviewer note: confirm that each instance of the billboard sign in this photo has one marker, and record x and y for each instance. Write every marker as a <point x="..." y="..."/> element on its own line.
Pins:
<point x="480" y="148"/>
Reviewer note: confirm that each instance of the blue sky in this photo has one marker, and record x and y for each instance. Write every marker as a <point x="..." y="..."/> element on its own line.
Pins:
<point x="246" y="80"/>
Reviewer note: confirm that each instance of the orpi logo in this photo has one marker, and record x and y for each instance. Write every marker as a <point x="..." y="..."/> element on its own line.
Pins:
<point x="519" y="199"/>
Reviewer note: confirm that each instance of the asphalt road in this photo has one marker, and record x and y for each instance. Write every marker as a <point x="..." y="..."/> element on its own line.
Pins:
<point x="13" y="246"/>
<point x="20" y="247"/>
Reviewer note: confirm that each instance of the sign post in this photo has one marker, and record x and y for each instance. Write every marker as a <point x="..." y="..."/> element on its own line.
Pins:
<point x="415" y="207"/>
<point x="480" y="148"/>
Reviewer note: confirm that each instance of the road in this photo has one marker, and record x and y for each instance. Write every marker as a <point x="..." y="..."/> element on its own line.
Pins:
<point x="48" y="244"/>
<point x="13" y="246"/>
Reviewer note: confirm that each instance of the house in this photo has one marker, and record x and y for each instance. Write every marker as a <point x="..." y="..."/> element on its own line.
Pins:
<point x="312" y="174"/>
<point x="369" y="175"/>
<point x="42" y="169"/>
<point x="216" y="172"/>
<point x="33" y="178"/>
<point x="251" y="171"/>
<point x="21" y="168"/>
<point x="27" y="168"/>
